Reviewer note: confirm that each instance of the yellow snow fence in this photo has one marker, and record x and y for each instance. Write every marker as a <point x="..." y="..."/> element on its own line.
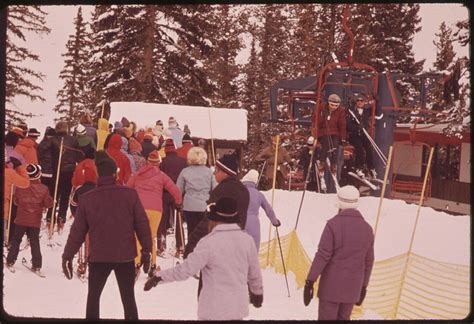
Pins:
<point x="428" y="290"/>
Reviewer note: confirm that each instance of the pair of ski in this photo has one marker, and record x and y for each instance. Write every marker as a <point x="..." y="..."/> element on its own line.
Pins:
<point x="27" y="265"/>
<point x="367" y="181"/>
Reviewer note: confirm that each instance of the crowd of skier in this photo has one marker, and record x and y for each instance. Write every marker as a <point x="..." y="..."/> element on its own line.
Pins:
<point x="127" y="188"/>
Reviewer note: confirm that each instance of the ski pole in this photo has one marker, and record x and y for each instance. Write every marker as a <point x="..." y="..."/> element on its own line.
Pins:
<point x="377" y="149"/>
<point x="283" y="261"/>
<point x="53" y="214"/>
<point x="306" y="180"/>
<point x="9" y="216"/>
<point x="275" y="165"/>
<point x="181" y="229"/>
<point x="212" y="137"/>
<point x="261" y="172"/>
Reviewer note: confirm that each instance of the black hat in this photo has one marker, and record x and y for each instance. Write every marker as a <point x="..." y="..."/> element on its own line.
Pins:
<point x="33" y="132"/>
<point x="50" y="131"/>
<point x="228" y="163"/>
<point x="224" y="210"/>
<point x="34" y="171"/>
<point x="186" y="138"/>
<point x="106" y="166"/>
<point x="89" y="152"/>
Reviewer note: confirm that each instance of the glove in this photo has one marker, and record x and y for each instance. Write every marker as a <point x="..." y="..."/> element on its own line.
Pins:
<point x="256" y="300"/>
<point x="308" y="292"/>
<point x="363" y="292"/>
<point x="67" y="267"/>
<point x="277" y="223"/>
<point x="151" y="282"/>
<point x="15" y="162"/>
<point x="145" y="261"/>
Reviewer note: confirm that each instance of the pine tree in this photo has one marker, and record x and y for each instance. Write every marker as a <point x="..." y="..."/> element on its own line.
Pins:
<point x="220" y="65"/>
<point x="73" y="100"/>
<point x="21" y="80"/>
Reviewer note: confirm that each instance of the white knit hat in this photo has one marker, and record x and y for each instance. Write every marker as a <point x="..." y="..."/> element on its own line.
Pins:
<point x="347" y="197"/>
<point x="80" y="130"/>
<point x="172" y="121"/>
<point x="252" y="176"/>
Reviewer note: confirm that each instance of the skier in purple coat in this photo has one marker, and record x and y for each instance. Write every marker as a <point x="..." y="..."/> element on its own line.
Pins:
<point x="344" y="260"/>
<point x="257" y="200"/>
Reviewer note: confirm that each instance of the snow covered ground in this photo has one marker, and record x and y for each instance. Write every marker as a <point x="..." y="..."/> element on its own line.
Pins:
<point x="439" y="237"/>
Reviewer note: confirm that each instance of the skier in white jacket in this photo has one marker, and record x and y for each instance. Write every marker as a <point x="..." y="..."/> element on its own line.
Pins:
<point x="229" y="263"/>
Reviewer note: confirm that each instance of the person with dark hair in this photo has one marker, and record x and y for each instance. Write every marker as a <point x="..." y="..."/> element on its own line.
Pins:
<point x="71" y="155"/>
<point x="283" y="159"/>
<point x="344" y="260"/>
<point x="45" y="160"/>
<point x="121" y="216"/>
<point x="91" y="131"/>
<point x="30" y="203"/>
<point x="11" y="140"/>
<point x="228" y="261"/>
<point x="358" y="119"/>
<point x="147" y="144"/>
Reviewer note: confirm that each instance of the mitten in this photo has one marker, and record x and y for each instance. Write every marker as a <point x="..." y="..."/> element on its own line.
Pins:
<point x="151" y="282"/>
<point x="256" y="300"/>
<point x="67" y="267"/>
<point x="363" y="292"/>
<point x="308" y="292"/>
<point x="277" y="223"/>
<point x="145" y="261"/>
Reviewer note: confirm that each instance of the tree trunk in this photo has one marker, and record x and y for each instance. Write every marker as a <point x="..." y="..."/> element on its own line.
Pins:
<point x="147" y="76"/>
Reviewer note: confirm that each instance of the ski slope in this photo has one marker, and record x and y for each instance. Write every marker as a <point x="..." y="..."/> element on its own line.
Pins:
<point x="439" y="237"/>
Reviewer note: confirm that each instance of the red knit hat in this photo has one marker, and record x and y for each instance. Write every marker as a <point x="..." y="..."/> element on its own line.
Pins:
<point x="154" y="157"/>
<point x="169" y="145"/>
<point x="148" y="135"/>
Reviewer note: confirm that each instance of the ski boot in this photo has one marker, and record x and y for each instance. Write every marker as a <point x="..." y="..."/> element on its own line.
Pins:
<point x="60" y="226"/>
<point x="10" y="267"/>
<point x="153" y="269"/>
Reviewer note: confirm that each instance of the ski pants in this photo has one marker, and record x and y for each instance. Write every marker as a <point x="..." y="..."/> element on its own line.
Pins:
<point x="154" y="218"/>
<point x="12" y="223"/>
<point x="167" y="221"/>
<point x="33" y="235"/>
<point x="334" y="311"/>
<point x="329" y="142"/>
<point x="361" y="144"/>
<point x="125" y="275"/>
<point x="62" y="195"/>
<point x="192" y="220"/>
<point x="49" y="182"/>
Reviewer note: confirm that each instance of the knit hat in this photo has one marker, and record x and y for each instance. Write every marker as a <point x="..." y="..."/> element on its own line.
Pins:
<point x="34" y="171"/>
<point x="347" y="197"/>
<point x="224" y="210"/>
<point x="134" y="145"/>
<point x="334" y="97"/>
<point x="106" y="166"/>
<point x="117" y="125"/>
<point x="125" y="122"/>
<point x="186" y="139"/>
<point x="159" y="122"/>
<point x="202" y="142"/>
<point x="49" y="131"/>
<point x="80" y="130"/>
<point x="33" y="133"/>
<point x="154" y="157"/>
<point x="61" y="127"/>
<point x="228" y="163"/>
<point x="172" y="122"/>
<point x="18" y="131"/>
<point x="252" y="176"/>
<point x="169" y="145"/>
<point x="187" y="130"/>
<point x="148" y="135"/>
<point x="310" y="140"/>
